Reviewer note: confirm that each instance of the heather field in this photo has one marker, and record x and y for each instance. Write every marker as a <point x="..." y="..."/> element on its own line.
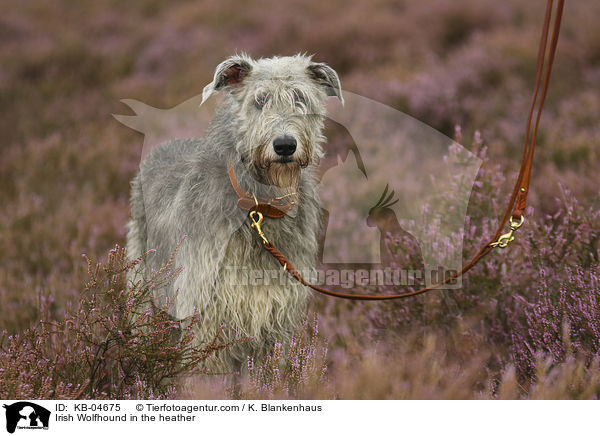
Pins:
<point x="524" y="325"/>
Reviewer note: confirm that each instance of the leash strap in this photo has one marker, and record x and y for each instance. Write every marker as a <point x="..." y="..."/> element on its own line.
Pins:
<point x="518" y="199"/>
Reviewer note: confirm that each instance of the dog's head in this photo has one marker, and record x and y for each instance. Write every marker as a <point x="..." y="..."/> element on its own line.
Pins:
<point x="278" y="107"/>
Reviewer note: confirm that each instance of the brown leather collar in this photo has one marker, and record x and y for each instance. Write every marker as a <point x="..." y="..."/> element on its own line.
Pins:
<point x="276" y="207"/>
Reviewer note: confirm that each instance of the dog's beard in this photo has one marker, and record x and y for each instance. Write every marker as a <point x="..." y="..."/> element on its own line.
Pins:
<point x="284" y="175"/>
<point x="277" y="172"/>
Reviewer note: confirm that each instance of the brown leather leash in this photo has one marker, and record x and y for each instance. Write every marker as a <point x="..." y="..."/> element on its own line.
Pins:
<point x="518" y="200"/>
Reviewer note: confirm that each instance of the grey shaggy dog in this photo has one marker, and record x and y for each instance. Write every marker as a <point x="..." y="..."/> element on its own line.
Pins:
<point x="269" y="127"/>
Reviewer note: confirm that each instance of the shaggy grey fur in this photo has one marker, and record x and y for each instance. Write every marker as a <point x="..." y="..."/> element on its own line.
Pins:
<point x="183" y="189"/>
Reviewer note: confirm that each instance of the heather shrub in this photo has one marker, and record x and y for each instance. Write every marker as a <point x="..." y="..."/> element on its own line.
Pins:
<point x="562" y="321"/>
<point x="523" y="312"/>
<point x="114" y="343"/>
<point x="293" y="370"/>
<point x="524" y="324"/>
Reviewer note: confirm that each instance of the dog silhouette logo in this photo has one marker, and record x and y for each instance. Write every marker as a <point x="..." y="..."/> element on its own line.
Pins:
<point x="26" y="415"/>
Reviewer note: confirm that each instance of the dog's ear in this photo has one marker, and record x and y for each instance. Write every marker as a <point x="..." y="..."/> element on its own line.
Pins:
<point x="229" y="73"/>
<point x="326" y="76"/>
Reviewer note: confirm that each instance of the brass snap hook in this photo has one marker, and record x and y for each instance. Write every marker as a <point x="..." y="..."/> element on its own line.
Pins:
<point x="504" y="239"/>
<point x="257" y="218"/>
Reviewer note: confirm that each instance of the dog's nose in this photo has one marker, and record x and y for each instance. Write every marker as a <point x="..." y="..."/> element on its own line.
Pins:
<point x="285" y="145"/>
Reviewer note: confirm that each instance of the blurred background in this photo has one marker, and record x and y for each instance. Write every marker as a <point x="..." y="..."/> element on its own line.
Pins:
<point x="464" y="67"/>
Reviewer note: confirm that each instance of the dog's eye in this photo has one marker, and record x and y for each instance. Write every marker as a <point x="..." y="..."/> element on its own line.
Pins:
<point x="299" y="100"/>
<point x="260" y="101"/>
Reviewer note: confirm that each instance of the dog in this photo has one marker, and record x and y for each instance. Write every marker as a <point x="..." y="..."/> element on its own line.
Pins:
<point x="260" y="152"/>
